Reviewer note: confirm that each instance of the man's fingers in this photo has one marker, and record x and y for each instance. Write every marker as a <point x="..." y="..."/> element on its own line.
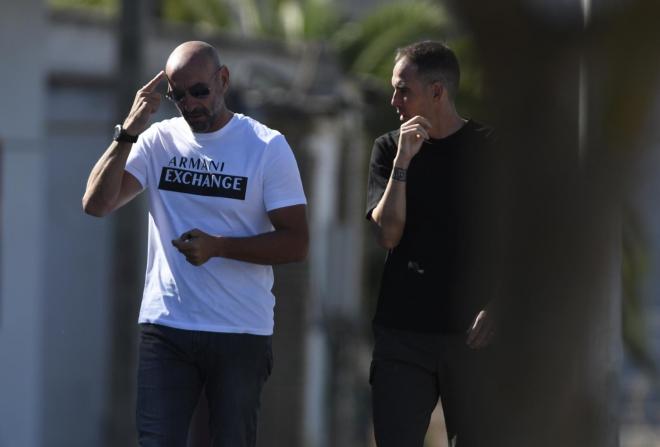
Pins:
<point x="151" y="85"/>
<point x="472" y="335"/>
<point x="419" y="120"/>
<point x="416" y="130"/>
<point x="476" y="339"/>
<point x="480" y="330"/>
<point x="189" y="235"/>
<point x="184" y="240"/>
<point x="142" y="109"/>
<point x="191" y="246"/>
<point x="182" y="243"/>
<point x="185" y="249"/>
<point x="422" y="133"/>
<point x="482" y="338"/>
<point x="149" y="96"/>
<point x="193" y="233"/>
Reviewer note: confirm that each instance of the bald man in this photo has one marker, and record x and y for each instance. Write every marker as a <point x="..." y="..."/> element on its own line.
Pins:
<point x="225" y="203"/>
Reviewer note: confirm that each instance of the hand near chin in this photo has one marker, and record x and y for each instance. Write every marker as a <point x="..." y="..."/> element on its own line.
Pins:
<point x="412" y="135"/>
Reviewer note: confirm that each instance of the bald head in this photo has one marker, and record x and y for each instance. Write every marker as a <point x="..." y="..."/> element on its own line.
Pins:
<point x="197" y="82"/>
<point x="193" y="53"/>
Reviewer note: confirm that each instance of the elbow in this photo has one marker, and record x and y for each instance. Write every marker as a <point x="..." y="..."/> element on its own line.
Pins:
<point x="298" y="247"/>
<point x="388" y="242"/>
<point x="93" y="208"/>
<point x="388" y="232"/>
<point x="303" y="249"/>
<point x="388" y="237"/>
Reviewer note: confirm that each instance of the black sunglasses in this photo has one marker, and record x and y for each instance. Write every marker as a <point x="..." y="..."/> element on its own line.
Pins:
<point x="197" y="91"/>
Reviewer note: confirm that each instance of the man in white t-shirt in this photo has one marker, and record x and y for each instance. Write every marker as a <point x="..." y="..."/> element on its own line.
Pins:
<point x="225" y="203"/>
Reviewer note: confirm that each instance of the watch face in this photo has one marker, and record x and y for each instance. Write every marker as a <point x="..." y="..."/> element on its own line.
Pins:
<point x="117" y="132"/>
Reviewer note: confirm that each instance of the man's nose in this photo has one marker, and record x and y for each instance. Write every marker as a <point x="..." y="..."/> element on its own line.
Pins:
<point x="395" y="100"/>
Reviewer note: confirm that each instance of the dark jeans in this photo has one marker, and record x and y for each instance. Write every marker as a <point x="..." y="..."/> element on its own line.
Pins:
<point x="409" y="373"/>
<point x="175" y="365"/>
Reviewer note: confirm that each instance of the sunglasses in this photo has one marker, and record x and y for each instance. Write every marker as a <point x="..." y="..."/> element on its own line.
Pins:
<point x="197" y="91"/>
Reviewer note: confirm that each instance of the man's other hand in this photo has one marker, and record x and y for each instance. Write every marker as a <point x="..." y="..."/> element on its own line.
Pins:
<point x="197" y="246"/>
<point x="481" y="331"/>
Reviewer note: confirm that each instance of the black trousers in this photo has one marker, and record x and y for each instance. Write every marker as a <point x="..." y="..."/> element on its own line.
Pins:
<point x="175" y="365"/>
<point x="410" y="371"/>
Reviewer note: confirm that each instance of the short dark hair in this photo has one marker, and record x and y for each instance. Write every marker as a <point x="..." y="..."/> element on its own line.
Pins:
<point x="435" y="61"/>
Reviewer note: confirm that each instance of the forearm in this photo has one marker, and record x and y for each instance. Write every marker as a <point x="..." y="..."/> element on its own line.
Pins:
<point x="104" y="182"/>
<point x="276" y="247"/>
<point x="390" y="213"/>
<point x="106" y="189"/>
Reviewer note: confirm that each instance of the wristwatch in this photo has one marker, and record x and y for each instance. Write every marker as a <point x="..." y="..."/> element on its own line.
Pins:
<point x="399" y="174"/>
<point x="121" y="135"/>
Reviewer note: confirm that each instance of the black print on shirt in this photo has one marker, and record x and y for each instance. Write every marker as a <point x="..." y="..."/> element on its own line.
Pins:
<point x="199" y="164"/>
<point x="203" y="183"/>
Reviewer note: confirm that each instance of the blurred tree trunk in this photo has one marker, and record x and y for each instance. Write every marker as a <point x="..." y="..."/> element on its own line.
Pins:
<point x="129" y="244"/>
<point x="567" y="97"/>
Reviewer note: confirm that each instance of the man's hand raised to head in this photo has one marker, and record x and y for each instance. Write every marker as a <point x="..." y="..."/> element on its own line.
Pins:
<point x="147" y="100"/>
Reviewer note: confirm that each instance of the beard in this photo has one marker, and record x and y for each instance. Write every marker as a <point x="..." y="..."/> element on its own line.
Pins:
<point x="199" y="120"/>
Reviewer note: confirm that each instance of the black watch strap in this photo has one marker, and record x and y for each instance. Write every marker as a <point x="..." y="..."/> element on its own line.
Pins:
<point x="121" y="135"/>
<point x="399" y="174"/>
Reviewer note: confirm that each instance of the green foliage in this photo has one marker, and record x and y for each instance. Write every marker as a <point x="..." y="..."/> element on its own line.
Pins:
<point x="210" y="13"/>
<point x="283" y="19"/>
<point x="106" y="6"/>
<point x="367" y="47"/>
<point x="322" y="19"/>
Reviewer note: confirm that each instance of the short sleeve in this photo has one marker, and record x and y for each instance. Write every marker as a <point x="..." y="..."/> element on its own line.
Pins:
<point x="137" y="163"/>
<point x="380" y="169"/>
<point x="282" y="185"/>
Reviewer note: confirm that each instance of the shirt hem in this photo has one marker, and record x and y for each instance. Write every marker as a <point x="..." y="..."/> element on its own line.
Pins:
<point x="284" y="204"/>
<point x="206" y="327"/>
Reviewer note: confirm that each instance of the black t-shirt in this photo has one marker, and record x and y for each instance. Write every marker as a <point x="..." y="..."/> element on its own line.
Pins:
<point x="428" y="282"/>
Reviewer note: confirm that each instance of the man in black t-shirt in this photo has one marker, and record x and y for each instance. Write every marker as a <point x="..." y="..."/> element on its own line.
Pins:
<point x="425" y="196"/>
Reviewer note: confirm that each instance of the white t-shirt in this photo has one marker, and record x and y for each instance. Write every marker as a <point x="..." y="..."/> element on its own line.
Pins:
<point x="223" y="183"/>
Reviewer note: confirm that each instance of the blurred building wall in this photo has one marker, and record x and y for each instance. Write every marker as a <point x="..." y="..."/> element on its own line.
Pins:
<point x="23" y="172"/>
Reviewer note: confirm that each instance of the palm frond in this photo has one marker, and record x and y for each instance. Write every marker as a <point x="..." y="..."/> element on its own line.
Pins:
<point x="368" y="46"/>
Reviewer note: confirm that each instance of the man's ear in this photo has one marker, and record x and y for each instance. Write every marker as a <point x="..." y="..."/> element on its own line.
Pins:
<point x="437" y="89"/>
<point x="224" y="77"/>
